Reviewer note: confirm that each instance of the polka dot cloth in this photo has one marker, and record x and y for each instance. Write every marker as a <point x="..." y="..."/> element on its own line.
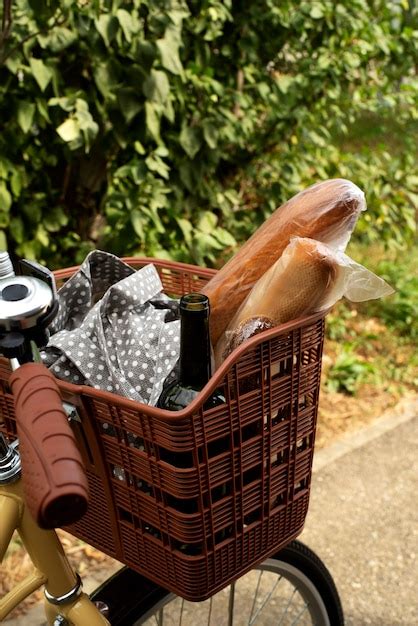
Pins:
<point x="108" y="335"/>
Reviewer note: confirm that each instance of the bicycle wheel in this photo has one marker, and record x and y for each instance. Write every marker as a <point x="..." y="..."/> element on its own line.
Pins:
<point x="292" y="588"/>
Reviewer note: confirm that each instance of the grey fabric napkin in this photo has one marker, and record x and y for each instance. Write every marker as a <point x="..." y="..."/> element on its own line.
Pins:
<point x="108" y="334"/>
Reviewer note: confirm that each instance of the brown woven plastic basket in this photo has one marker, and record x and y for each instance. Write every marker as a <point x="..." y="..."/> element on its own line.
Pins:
<point x="193" y="499"/>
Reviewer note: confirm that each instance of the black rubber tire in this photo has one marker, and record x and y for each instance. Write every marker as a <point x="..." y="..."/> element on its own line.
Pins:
<point x="130" y="596"/>
<point x="305" y="559"/>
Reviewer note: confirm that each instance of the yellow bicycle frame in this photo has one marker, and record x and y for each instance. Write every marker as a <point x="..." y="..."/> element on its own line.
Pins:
<point x="63" y="594"/>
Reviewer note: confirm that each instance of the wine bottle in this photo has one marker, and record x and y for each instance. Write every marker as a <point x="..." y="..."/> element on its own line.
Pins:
<point x="195" y="356"/>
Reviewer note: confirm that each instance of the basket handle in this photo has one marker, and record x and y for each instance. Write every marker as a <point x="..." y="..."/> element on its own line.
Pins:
<point x="54" y="478"/>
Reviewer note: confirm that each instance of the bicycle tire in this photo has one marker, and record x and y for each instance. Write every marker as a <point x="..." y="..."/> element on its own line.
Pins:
<point x="133" y="599"/>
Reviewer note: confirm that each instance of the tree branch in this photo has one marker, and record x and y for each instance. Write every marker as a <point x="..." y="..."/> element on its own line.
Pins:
<point x="7" y="20"/>
<point x="6" y="55"/>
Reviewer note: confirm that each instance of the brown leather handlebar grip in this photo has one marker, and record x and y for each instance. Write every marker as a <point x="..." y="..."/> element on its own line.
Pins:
<point x="54" y="479"/>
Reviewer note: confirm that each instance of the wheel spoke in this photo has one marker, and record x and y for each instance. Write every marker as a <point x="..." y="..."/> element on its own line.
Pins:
<point x="300" y="614"/>
<point x="255" y="595"/>
<point x="288" y="606"/>
<point x="266" y="599"/>
<point x="231" y="604"/>
<point x="210" y="610"/>
<point x="181" y="611"/>
<point x="278" y="591"/>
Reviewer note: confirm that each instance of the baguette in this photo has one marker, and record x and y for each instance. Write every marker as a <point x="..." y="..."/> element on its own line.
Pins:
<point x="245" y="330"/>
<point x="326" y="211"/>
<point x="299" y="283"/>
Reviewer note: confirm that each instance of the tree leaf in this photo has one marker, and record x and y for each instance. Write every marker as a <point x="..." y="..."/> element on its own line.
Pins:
<point x="55" y="219"/>
<point x="155" y="164"/>
<point x="137" y="221"/>
<point x="5" y="198"/>
<point x="3" y="240"/>
<point x="17" y="229"/>
<point x="146" y="53"/>
<point x="190" y="141"/>
<point x="13" y="63"/>
<point x="316" y="12"/>
<point x="16" y="183"/>
<point x="156" y="87"/>
<point x="128" y="23"/>
<point x="207" y="222"/>
<point x="152" y="121"/>
<point x="283" y="81"/>
<point x="107" y="77"/>
<point x="169" y="51"/>
<point x="69" y="130"/>
<point x="210" y="134"/>
<point x="206" y="242"/>
<point x="66" y="104"/>
<point x="129" y="103"/>
<point x="108" y="26"/>
<point x="58" y="39"/>
<point x="42" y="235"/>
<point x="224" y="237"/>
<point x="41" y="72"/>
<point x="186" y="228"/>
<point x="169" y="112"/>
<point x="43" y="109"/>
<point x="139" y="147"/>
<point x="25" y="113"/>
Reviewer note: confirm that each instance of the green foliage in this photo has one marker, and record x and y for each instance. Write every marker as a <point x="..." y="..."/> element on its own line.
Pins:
<point x="173" y="128"/>
<point x="348" y="371"/>
<point x="400" y="312"/>
<point x="382" y="332"/>
<point x="337" y="327"/>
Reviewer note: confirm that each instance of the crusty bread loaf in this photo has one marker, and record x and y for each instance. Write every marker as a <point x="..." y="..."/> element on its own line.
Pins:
<point x="327" y="212"/>
<point x="296" y="285"/>
<point x="245" y="330"/>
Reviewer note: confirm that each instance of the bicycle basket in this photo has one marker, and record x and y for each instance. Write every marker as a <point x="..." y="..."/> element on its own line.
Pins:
<point x="194" y="499"/>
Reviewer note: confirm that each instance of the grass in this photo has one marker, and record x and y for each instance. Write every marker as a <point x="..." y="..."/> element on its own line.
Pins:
<point x="376" y="132"/>
<point x="373" y="344"/>
<point x="371" y="356"/>
<point x="380" y="334"/>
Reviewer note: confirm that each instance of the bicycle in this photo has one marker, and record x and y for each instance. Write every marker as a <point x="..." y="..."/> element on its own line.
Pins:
<point x="46" y="449"/>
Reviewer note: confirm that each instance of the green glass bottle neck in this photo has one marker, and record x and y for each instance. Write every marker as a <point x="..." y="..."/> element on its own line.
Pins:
<point x="195" y="358"/>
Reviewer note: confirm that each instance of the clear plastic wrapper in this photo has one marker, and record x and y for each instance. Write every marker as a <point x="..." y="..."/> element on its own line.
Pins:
<point x="326" y="211"/>
<point x="309" y="277"/>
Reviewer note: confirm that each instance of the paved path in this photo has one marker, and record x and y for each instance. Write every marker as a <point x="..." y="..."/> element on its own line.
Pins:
<point x="363" y="522"/>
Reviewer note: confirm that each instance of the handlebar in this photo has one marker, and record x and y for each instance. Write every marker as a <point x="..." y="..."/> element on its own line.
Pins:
<point x="54" y="479"/>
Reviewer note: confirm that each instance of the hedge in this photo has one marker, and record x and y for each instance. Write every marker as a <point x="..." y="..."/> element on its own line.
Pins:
<point x="173" y="128"/>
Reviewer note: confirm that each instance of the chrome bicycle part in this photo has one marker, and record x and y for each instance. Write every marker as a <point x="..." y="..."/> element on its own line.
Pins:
<point x="72" y="595"/>
<point x="28" y="304"/>
<point x="103" y="608"/>
<point x="72" y="413"/>
<point x="10" y="466"/>
<point x="23" y="299"/>
<point x="6" y="267"/>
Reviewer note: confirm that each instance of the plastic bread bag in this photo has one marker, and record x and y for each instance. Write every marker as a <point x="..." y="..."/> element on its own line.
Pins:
<point x="326" y="212"/>
<point x="309" y="277"/>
